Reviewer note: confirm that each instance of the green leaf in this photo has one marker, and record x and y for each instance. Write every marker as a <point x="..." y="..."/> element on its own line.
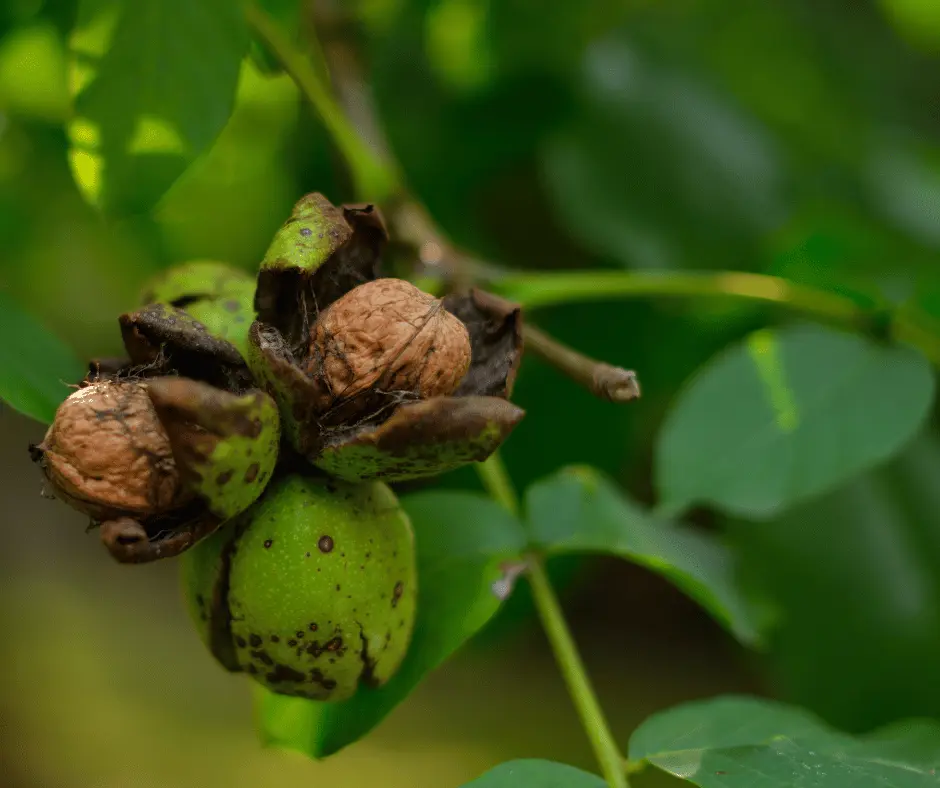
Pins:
<point x="578" y="510"/>
<point x="854" y="579"/>
<point x="36" y="367"/>
<point x="741" y="742"/>
<point x="461" y="539"/>
<point x="153" y="85"/>
<point x="536" y="774"/>
<point x="786" y="415"/>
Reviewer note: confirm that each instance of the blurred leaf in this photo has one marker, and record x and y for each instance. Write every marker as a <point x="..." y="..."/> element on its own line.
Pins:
<point x="927" y="297"/>
<point x="536" y="774"/>
<point x="740" y="742"/>
<point x="461" y="540"/>
<point x="456" y="45"/>
<point x="854" y="578"/>
<point x="780" y="61"/>
<point x="243" y="180"/>
<point x="154" y="84"/>
<point x="917" y="20"/>
<point x="524" y="37"/>
<point x="32" y="73"/>
<point x="661" y="170"/>
<point x="904" y="184"/>
<point x="496" y="124"/>
<point x="579" y="511"/>
<point x="786" y="415"/>
<point x="36" y="367"/>
<point x="831" y="247"/>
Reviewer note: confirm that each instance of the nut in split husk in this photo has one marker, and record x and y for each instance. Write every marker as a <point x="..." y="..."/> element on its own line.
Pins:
<point x="108" y="455"/>
<point x="159" y="460"/>
<point x="373" y="377"/>
<point x="387" y="336"/>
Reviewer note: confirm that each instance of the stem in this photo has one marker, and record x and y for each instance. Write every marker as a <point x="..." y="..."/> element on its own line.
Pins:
<point x="373" y="178"/>
<point x="553" y="288"/>
<point x="498" y="484"/>
<point x="572" y="668"/>
<point x="412" y="226"/>
<point x="605" y="381"/>
<point x="496" y="480"/>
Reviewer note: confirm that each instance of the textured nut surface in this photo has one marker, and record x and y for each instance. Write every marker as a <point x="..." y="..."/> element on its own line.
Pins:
<point x="390" y="336"/>
<point x="107" y="453"/>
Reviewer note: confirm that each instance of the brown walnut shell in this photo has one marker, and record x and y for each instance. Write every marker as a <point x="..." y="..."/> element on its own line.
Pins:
<point x="390" y="337"/>
<point x="108" y="455"/>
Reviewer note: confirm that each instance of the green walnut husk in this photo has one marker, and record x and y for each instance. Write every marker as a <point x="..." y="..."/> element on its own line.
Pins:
<point x="312" y="592"/>
<point x="217" y="295"/>
<point x="319" y="256"/>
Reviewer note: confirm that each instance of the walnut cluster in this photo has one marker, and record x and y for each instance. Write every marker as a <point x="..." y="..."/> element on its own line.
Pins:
<point x="108" y="455"/>
<point x="388" y="336"/>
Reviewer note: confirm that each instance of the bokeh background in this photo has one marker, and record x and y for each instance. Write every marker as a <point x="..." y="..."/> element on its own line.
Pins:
<point x="785" y="136"/>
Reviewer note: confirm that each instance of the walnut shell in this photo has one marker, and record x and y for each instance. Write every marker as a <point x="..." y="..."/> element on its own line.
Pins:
<point x="108" y="455"/>
<point x="389" y="336"/>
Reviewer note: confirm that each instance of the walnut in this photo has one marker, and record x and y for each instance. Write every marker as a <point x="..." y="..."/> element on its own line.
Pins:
<point x="108" y="455"/>
<point x="389" y="336"/>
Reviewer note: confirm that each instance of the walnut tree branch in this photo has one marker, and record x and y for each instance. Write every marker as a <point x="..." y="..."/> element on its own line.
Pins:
<point x="605" y="381"/>
<point x="412" y="225"/>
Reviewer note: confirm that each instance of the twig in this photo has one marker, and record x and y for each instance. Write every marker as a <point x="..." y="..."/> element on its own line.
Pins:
<point x="606" y="381"/>
<point x="412" y="226"/>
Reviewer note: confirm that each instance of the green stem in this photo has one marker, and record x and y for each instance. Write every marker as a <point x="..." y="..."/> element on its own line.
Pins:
<point x="576" y="677"/>
<point x="373" y="178"/>
<point x="549" y="288"/>
<point x="497" y="482"/>
<point x="562" y="287"/>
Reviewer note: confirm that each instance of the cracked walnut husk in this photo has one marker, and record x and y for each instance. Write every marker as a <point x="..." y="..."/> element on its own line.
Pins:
<point x="163" y="447"/>
<point x="374" y="378"/>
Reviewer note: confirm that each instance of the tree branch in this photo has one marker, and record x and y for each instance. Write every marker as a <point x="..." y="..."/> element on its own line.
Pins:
<point x="605" y="381"/>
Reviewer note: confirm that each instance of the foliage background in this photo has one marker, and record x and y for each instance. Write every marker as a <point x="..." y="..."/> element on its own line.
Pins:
<point x="786" y="136"/>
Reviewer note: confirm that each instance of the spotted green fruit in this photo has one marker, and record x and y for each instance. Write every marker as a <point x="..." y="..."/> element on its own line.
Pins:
<point x="313" y="591"/>
<point x="217" y="295"/>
